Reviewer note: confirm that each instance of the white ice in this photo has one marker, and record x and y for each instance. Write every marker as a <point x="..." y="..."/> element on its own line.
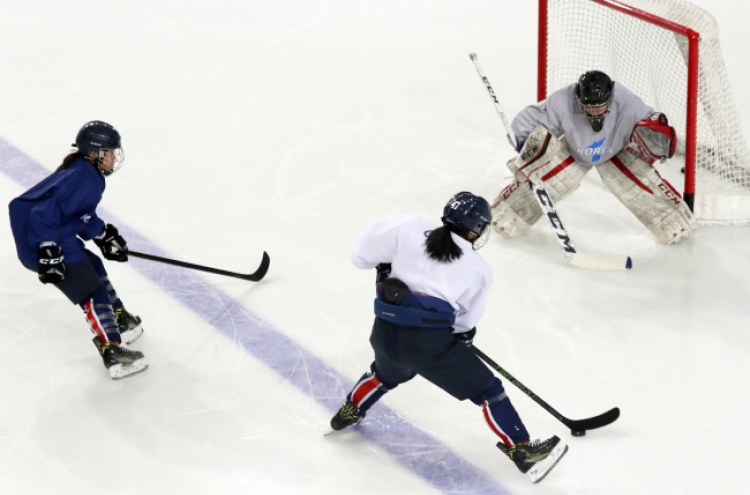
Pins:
<point x="288" y="127"/>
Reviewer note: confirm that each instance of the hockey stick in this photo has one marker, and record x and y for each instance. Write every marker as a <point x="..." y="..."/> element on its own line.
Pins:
<point x="577" y="427"/>
<point x="252" y="277"/>
<point x="545" y="201"/>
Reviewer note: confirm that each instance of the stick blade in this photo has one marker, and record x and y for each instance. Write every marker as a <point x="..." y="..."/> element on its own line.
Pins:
<point x="261" y="271"/>
<point x="604" y="419"/>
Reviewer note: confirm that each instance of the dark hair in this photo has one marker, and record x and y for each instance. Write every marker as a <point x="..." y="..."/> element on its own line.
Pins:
<point x="441" y="246"/>
<point x="75" y="155"/>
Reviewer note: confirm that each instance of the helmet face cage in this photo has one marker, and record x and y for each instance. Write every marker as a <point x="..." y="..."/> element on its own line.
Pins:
<point x="466" y="213"/>
<point x="119" y="155"/>
<point x="593" y="93"/>
<point x="481" y="241"/>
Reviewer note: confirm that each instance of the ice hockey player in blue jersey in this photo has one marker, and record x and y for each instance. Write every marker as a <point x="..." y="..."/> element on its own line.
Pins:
<point x="432" y="290"/>
<point x="51" y="220"/>
<point x="594" y="123"/>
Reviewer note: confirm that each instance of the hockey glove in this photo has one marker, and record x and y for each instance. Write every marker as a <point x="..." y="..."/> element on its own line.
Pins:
<point x="656" y="139"/>
<point x="384" y="271"/>
<point x="466" y="338"/>
<point x="112" y="244"/>
<point x="51" y="267"/>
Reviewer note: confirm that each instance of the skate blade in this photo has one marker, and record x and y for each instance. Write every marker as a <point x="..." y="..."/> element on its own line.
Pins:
<point x="130" y="336"/>
<point x="120" y="371"/>
<point x="542" y="468"/>
<point x="347" y="428"/>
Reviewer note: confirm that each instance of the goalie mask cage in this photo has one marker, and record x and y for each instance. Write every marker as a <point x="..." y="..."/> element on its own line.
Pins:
<point x="668" y="53"/>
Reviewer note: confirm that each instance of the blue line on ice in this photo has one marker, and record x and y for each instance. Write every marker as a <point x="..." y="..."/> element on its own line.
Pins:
<point x="406" y="444"/>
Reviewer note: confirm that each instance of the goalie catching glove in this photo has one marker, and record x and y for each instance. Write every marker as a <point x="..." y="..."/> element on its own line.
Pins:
<point x="655" y="138"/>
<point x="112" y="244"/>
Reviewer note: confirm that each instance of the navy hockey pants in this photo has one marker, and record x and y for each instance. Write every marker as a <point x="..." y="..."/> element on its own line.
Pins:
<point x="401" y="353"/>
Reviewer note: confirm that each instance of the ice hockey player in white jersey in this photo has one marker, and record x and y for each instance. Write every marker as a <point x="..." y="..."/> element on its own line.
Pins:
<point x="431" y="292"/>
<point x="594" y="123"/>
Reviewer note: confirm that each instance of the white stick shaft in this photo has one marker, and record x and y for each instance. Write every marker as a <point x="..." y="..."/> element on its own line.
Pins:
<point x="511" y="135"/>
<point x="548" y="206"/>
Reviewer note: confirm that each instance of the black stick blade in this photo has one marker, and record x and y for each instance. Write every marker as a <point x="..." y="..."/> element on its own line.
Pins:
<point x="252" y="277"/>
<point x="604" y="419"/>
<point x="261" y="271"/>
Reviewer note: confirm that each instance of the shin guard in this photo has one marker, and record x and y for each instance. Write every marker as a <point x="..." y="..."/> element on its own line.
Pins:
<point x="543" y="159"/>
<point x="366" y="392"/>
<point x="650" y="198"/>
<point x="101" y="317"/>
<point x="500" y="414"/>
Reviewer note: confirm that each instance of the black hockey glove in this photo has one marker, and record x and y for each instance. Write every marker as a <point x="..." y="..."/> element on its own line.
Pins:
<point x="466" y="338"/>
<point x="112" y="244"/>
<point x="51" y="267"/>
<point x="384" y="271"/>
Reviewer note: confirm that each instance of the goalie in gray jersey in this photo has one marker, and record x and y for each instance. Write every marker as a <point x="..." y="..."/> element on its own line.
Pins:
<point x="593" y="123"/>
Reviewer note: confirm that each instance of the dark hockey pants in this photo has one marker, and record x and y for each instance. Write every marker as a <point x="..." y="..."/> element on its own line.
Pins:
<point x="401" y="353"/>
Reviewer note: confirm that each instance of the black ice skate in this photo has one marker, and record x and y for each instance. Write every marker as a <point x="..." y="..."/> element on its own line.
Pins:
<point x="347" y="416"/>
<point x="130" y="326"/>
<point x="536" y="458"/>
<point x="119" y="361"/>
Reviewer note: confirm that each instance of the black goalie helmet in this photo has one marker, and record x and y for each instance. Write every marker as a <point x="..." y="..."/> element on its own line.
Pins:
<point x="466" y="212"/>
<point x="594" y="94"/>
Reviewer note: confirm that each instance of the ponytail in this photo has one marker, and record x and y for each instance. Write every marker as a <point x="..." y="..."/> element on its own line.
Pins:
<point x="69" y="159"/>
<point x="440" y="246"/>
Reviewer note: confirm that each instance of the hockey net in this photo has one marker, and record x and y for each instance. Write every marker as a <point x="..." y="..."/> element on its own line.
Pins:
<point x="668" y="53"/>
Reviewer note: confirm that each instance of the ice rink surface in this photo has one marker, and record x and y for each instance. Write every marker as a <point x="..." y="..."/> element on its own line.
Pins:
<point x="289" y="127"/>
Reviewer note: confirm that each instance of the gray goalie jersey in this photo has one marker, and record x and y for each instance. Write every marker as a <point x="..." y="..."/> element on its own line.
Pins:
<point x="561" y="115"/>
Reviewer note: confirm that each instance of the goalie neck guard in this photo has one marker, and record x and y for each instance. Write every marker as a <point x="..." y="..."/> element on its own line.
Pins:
<point x="594" y="93"/>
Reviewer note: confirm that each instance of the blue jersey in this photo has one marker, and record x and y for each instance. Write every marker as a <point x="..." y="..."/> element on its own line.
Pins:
<point x="60" y="208"/>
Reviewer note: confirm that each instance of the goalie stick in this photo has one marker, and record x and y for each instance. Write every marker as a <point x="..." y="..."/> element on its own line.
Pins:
<point x="578" y="427"/>
<point x="252" y="277"/>
<point x="545" y="201"/>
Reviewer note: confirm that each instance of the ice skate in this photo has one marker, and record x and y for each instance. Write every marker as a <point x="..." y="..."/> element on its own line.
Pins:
<point x="119" y="361"/>
<point x="536" y="458"/>
<point x="130" y="326"/>
<point x="347" y="416"/>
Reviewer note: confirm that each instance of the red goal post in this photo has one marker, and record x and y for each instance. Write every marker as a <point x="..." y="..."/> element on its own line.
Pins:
<point x="667" y="52"/>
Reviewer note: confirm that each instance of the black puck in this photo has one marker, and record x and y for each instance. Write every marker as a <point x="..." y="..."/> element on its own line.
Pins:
<point x="578" y="433"/>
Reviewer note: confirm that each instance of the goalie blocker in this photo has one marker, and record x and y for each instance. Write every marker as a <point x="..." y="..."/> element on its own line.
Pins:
<point x="629" y="175"/>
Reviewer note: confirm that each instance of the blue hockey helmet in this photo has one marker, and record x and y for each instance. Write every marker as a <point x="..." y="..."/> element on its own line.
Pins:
<point x="96" y="135"/>
<point x="100" y="137"/>
<point x="467" y="213"/>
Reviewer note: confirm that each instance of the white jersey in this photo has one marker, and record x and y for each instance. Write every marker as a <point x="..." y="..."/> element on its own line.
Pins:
<point x="400" y="240"/>
<point x="561" y="115"/>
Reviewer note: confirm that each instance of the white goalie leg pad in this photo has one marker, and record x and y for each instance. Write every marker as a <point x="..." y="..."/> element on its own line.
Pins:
<point x="650" y="198"/>
<point x="515" y="209"/>
<point x="543" y="158"/>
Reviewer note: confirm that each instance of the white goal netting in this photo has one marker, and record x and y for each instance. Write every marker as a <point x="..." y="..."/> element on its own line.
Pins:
<point x="653" y="62"/>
